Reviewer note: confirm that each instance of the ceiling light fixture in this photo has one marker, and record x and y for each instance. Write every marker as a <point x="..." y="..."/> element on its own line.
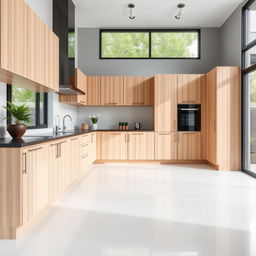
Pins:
<point x="180" y="12"/>
<point x="131" y="11"/>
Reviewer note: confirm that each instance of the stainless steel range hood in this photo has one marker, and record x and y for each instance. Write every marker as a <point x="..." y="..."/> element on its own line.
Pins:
<point x="64" y="27"/>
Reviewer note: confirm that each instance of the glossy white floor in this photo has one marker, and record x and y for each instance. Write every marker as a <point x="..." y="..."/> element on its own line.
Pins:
<point x="147" y="210"/>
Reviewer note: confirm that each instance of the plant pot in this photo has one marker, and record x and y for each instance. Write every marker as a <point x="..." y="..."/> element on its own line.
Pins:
<point x="16" y="130"/>
<point x="94" y="126"/>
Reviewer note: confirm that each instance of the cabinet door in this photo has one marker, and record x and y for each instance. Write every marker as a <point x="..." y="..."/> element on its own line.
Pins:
<point x="141" y="146"/>
<point x="211" y="140"/>
<point x="34" y="181"/>
<point x="166" y="103"/>
<point x="189" y="146"/>
<point x="112" y="90"/>
<point x="73" y="155"/>
<point x="93" y="90"/>
<point x="114" y="145"/>
<point x="138" y="91"/>
<point x="54" y="172"/>
<point x="165" y="146"/>
<point x="189" y="88"/>
<point x="93" y="147"/>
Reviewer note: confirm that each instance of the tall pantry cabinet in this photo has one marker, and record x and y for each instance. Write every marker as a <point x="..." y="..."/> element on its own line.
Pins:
<point x="221" y="118"/>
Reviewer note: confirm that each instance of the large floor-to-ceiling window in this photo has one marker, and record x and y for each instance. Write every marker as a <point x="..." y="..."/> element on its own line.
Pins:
<point x="249" y="87"/>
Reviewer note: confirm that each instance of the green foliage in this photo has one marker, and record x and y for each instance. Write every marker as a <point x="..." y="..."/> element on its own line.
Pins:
<point x="125" y="45"/>
<point x="136" y="44"/>
<point x="22" y="95"/>
<point x="21" y="114"/>
<point x="172" y="44"/>
<point x="94" y="119"/>
<point x="71" y="45"/>
<point x="253" y="88"/>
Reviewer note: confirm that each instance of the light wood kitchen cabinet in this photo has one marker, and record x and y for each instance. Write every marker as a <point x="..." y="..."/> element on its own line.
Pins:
<point x="140" y="146"/>
<point x="189" y="88"/>
<point x="166" y="146"/>
<point x="93" y="154"/>
<point x="28" y="48"/>
<point x="93" y="91"/>
<point x="34" y="181"/>
<point x="80" y="82"/>
<point x="73" y="155"/>
<point x="221" y="130"/>
<point x="138" y="91"/>
<point x="188" y="146"/>
<point x="114" y="145"/>
<point x="166" y="93"/>
<point x="59" y="168"/>
<point x="112" y="90"/>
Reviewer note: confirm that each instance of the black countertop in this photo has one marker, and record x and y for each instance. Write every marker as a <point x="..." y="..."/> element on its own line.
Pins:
<point x="29" y="140"/>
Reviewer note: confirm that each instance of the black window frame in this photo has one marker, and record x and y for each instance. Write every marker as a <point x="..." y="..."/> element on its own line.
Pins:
<point x="245" y="71"/>
<point x="150" y="31"/>
<point x="37" y="113"/>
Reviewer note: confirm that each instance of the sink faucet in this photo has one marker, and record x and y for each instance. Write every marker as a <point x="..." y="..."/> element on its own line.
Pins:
<point x="64" y="123"/>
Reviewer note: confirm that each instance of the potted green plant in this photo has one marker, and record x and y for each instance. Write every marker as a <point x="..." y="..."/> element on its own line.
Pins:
<point x="21" y="117"/>
<point x="94" y="119"/>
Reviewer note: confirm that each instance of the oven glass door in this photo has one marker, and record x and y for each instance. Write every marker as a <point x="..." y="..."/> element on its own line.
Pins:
<point x="189" y="119"/>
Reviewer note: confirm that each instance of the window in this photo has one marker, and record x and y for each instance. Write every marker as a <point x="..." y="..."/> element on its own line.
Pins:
<point x="71" y="45"/>
<point x="149" y="44"/>
<point x="36" y="101"/>
<point x="249" y="87"/>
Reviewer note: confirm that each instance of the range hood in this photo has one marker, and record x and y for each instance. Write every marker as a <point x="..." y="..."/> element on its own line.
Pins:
<point x="64" y="27"/>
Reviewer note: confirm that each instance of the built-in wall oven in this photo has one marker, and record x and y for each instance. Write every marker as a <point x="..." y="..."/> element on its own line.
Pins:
<point x="189" y="117"/>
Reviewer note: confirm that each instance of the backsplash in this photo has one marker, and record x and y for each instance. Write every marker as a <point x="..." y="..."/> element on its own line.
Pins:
<point x="111" y="116"/>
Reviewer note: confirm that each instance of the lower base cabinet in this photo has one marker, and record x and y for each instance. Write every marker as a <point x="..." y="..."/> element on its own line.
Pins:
<point x="177" y="146"/>
<point x="114" y="145"/>
<point x="166" y="146"/>
<point x="127" y="146"/>
<point x="34" y="176"/>
<point x="141" y="146"/>
<point x="35" y="183"/>
<point x="189" y="145"/>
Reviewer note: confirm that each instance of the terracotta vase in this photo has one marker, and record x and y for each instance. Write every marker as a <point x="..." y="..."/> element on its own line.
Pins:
<point x="16" y="130"/>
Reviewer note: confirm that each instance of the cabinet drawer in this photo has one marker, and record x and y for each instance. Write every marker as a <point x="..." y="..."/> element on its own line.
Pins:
<point x="84" y="139"/>
<point x="83" y="149"/>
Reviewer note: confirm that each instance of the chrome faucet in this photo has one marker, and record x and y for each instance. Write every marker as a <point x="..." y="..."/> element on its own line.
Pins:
<point x="64" y="124"/>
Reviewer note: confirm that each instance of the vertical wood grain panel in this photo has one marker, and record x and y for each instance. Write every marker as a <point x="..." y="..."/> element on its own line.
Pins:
<point x="166" y="103"/>
<point x="165" y="146"/>
<point x="112" y="90"/>
<point x="93" y="90"/>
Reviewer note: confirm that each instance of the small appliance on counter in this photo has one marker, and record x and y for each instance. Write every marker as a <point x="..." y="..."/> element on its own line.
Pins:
<point x="137" y="126"/>
<point x="189" y="117"/>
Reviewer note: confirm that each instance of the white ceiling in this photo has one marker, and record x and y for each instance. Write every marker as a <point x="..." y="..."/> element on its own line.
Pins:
<point x="157" y="13"/>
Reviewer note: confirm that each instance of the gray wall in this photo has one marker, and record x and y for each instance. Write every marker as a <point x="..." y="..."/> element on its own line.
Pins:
<point x="230" y="40"/>
<point x="89" y="62"/>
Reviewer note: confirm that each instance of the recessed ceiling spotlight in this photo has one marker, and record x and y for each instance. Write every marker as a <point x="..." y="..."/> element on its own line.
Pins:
<point x="180" y="12"/>
<point x="131" y="7"/>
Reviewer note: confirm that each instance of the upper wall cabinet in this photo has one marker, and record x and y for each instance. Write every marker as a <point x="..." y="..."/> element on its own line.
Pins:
<point x="138" y="91"/>
<point x="79" y="82"/>
<point x="93" y="90"/>
<point x="29" y="49"/>
<point x="112" y="90"/>
<point x="189" y="87"/>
